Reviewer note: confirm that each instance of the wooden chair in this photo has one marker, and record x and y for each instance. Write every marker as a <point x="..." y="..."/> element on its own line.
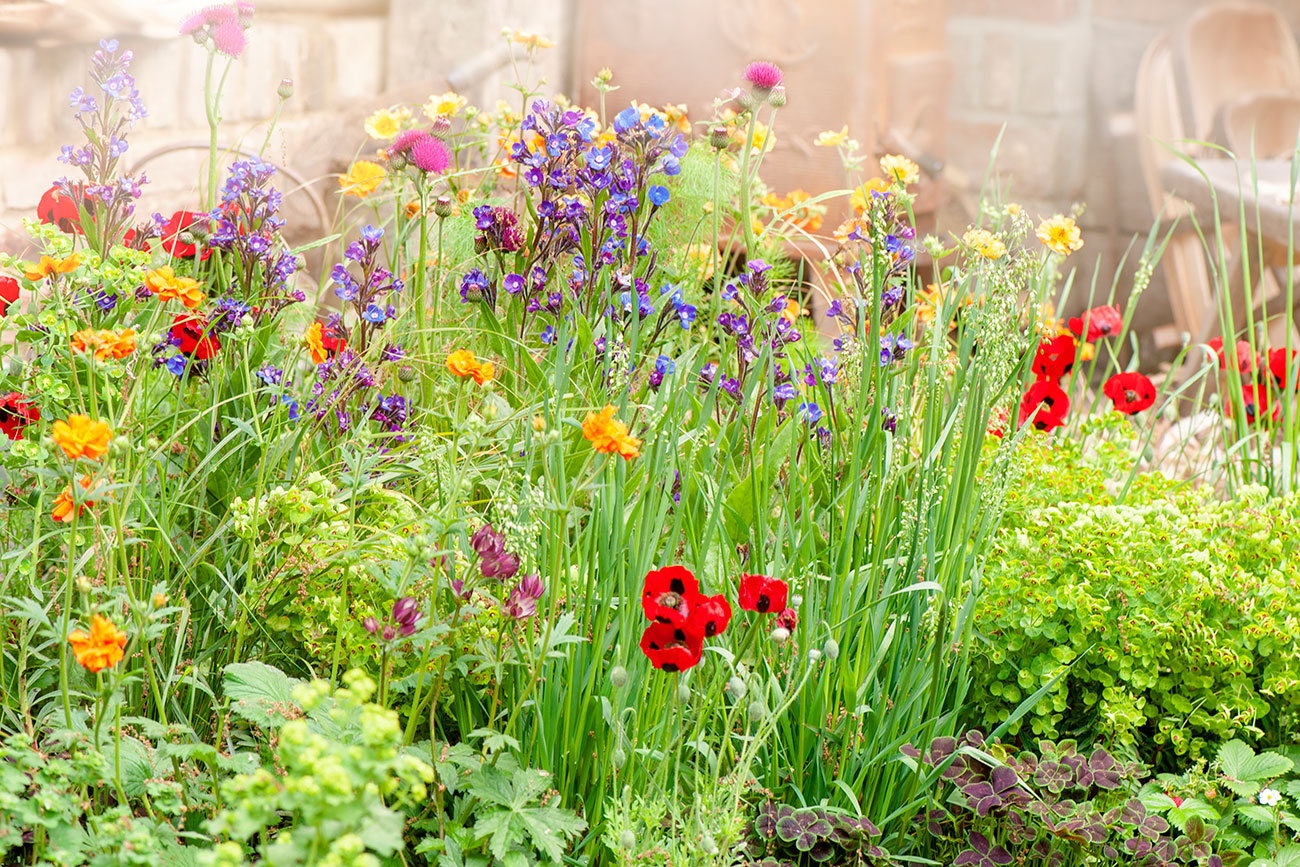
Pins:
<point x="1230" y="76"/>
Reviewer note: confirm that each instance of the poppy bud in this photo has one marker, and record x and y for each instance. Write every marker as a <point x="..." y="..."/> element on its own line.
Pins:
<point x="618" y="676"/>
<point x="719" y="138"/>
<point x="780" y="635"/>
<point x="285" y="89"/>
<point x="832" y="649"/>
<point x="776" y="98"/>
<point x="619" y="758"/>
<point x="442" y="206"/>
<point x="737" y="688"/>
<point x="683" y="692"/>
<point x="756" y="711"/>
<point x="627" y="839"/>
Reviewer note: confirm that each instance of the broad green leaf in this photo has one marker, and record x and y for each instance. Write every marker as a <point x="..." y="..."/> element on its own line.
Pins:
<point x="261" y="694"/>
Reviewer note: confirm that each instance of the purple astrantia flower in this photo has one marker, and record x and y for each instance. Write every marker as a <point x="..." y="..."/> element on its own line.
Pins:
<point x="521" y="603"/>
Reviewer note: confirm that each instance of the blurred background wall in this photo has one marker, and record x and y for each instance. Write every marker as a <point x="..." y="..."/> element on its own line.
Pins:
<point x="945" y="77"/>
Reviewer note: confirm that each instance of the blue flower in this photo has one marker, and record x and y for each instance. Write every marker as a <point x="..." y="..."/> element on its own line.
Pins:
<point x="659" y="195"/>
<point x="176" y="365"/>
<point x="664" y="365"/>
<point x="292" y="404"/>
<point x="784" y="391"/>
<point x="373" y="234"/>
<point x="626" y="119"/>
<point x="548" y="335"/>
<point x="513" y="283"/>
<point x="598" y="159"/>
<point x="374" y="314"/>
<point x="670" y="166"/>
<point x="811" y="412"/>
<point x="686" y="314"/>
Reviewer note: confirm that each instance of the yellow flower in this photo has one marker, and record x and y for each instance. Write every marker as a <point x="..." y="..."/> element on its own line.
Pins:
<point x="900" y="168"/>
<point x="1060" y="235"/>
<point x="164" y="283"/>
<point x="522" y="37"/>
<point x="985" y="243"/>
<point x="1013" y="210"/>
<point x="447" y="105"/>
<point x="63" y="505"/>
<point x="362" y="179"/>
<point x="610" y="436"/>
<point x="79" y="436"/>
<point x="48" y="266"/>
<point x="793" y="311"/>
<point x="700" y="259"/>
<point x="861" y="198"/>
<point x="829" y="138"/>
<point x="386" y="122"/>
<point x="101" y="648"/>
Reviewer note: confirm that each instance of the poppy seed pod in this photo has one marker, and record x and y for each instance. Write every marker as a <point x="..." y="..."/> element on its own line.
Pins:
<point x="780" y="635"/>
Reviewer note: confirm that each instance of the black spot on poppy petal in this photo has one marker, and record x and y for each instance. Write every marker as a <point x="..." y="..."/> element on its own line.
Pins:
<point x="677" y="586"/>
<point x="679" y="635"/>
<point x="711" y="628"/>
<point x="668" y="666"/>
<point x="763" y="603"/>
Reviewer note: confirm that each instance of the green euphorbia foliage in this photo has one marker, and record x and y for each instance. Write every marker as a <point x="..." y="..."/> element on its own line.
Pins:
<point x="1168" y="619"/>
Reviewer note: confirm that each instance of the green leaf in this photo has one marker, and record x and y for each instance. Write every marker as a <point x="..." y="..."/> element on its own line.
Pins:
<point x="1255" y="817"/>
<point x="261" y="694"/>
<point x="1233" y="758"/>
<point x="1266" y="766"/>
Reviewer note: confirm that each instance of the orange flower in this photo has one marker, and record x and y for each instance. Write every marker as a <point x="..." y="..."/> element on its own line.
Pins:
<point x="102" y="648"/>
<point x="608" y="435"/>
<point x="845" y="229"/>
<point x="314" y="338"/>
<point x="164" y="283"/>
<point x="860" y="199"/>
<point x="105" y="342"/>
<point x="63" y="504"/>
<point x="462" y="363"/>
<point x="48" y="266"/>
<point x="79" y="436"/>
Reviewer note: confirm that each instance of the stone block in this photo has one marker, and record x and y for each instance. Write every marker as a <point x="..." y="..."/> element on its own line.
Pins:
<point x="997" y="77"/>
<point x="1053" y="73"/>
<point x="1036" y="11"/>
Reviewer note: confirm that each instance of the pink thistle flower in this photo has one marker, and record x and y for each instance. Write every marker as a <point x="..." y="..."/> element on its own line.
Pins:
<point x="406" y="140"/>
<point x="228" y="37"/>
<point x="430" y="156"/>
<point x="763" y="75"/>
<point x="210" y="16"/>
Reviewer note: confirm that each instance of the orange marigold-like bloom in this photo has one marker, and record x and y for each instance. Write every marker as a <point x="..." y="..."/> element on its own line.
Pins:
<point x="462" y="363"/>
<point x="1060" y="235"/>
<point x="48" y="266"/>
<point x="484" y="372"/>
<point x="608" y="435"/>
<point x="101" y="648"/>
<point x="63" y="504"/>
<point x="105" y="342"/>
<point x="314" y="338"/>
<point x="164" y="283"/>
<point x="80" y="436"/>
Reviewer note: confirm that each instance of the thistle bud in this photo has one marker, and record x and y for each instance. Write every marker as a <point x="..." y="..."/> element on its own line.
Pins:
<point x="406" y="373"/>
<point x="285" y="89"/>
<point x="776" y="98"/>
<point x="719" y="138"/>
<point x="442" y="206"/>
<point x="744" y="100"/>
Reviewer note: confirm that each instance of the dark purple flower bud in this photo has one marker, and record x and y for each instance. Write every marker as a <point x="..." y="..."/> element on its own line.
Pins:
<point x="371" y="625"/>
<point x="502" y="566"/>
<point x="487" y="542"/>
<point x="389" y="633"/>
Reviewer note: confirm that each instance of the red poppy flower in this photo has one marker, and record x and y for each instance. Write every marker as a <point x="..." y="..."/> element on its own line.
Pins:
<point x="1132" y="392"/>
<point x="181" y="222"/>
<point x="1257" y="403"/>
<point x="1101" y="322"/>
<point x="16" y="413"/>
<point x="787" y="620"/>
<point x="1278" y="361"/>
<point x="669" y="595"/>
<point x="709" y="616"/>
<point x="8" y="293"/>
<point x="57" y="208"/>
<point x="1054" y="358"/>
<point x="1046" y="404"/>
<point x="194" y="338"/>
<point x="1245" y="358"/>
<point x="762" y="594"/>
<point x="669" y="648"/>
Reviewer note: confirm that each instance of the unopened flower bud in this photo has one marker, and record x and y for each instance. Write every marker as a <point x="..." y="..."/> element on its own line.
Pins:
<point x="539" y="423"/>
<point x="719" y="138"/>
<point x="83" y="584"/>
<point x="618" y="676"/>
<point x="832" y="649"/>
<point x="756" y="711"/>
<point x="776" y="98"/>
<point x="619" y="758"/>
<point x="683" y="692"/>
<point x="285" y="89"/>
<point x="441" y="126"/>
<point x="442" y="206"/>
<point x="605" y="75"/>
<point x="390" y="632"/>
<point x="737" y="688"/>
<point x="780" y="635"/>
<point x="371" y="625"/>
<point x="745" y="101"/>
<point x="159" y="600"/>
<point x="708" y="845"/>
<point x="627" y="839"/>
<point x="406" y="373"/>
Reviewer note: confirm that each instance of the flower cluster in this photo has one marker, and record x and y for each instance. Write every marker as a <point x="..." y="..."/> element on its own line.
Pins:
<point x="402" y="621"/>
<point x="680" y="618"/>
<point x="609" y="435"/>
